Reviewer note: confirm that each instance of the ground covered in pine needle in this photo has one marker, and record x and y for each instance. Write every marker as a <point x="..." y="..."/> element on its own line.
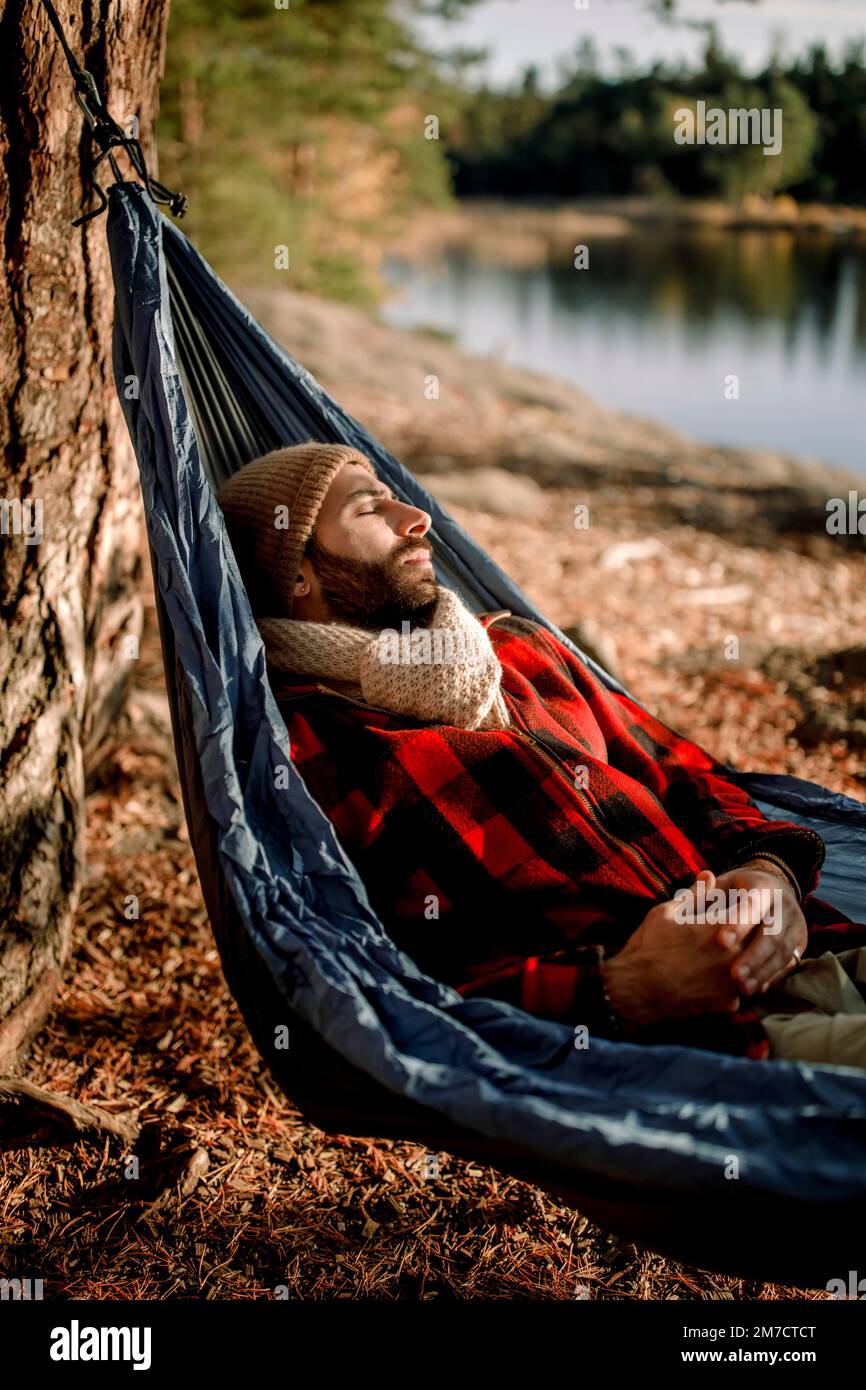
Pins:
<point x="236" y="1197"/>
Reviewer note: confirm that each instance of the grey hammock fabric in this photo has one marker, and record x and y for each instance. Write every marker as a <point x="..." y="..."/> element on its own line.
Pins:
<point x="648" y="1117"/>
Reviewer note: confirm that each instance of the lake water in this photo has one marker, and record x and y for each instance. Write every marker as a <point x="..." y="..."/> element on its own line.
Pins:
<point x="661" y="319"/>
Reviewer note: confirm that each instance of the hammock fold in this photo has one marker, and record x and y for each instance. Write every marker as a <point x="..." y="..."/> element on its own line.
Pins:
<point x="644" y="1140"/>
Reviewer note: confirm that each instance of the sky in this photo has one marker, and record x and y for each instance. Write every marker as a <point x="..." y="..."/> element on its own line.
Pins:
<point x="519" y="32"/>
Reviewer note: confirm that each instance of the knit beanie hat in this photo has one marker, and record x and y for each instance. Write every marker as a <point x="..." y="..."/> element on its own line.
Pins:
<point x="270" y="508"/>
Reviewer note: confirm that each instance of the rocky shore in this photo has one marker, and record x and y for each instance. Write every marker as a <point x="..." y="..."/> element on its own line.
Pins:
<point x="705" y="578"/>
<point x="531" y="233"/>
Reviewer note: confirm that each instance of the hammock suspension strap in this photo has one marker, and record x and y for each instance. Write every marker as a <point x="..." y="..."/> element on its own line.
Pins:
<point x="107" y="134"/>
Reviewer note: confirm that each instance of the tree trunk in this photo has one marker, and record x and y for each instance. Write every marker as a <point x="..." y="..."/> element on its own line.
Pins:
<point x="71" y="551"/>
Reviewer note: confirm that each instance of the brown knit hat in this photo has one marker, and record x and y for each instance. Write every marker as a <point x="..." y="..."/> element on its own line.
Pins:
<point x="269" y="553"/>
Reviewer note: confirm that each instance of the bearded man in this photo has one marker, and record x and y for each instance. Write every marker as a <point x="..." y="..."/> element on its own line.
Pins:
<point x="523" y="832"/>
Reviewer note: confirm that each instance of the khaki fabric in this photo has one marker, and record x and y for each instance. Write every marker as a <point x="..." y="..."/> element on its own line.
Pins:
<point x="818" y="1014"/>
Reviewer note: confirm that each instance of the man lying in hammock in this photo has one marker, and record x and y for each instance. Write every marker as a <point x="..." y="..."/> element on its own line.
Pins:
<point x="522" y="830"/>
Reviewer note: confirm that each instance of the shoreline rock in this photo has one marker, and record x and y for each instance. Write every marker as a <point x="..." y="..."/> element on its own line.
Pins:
<point x="491" y="415"/>
<point x="530" y="233"/>
<point x="689" y="546"/>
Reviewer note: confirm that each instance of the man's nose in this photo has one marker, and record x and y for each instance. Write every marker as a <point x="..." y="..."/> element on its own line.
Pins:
<point x="412" y="521"/>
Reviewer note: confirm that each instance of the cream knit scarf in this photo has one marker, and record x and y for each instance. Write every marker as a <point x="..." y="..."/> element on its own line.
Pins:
<point x="447" y="673"/>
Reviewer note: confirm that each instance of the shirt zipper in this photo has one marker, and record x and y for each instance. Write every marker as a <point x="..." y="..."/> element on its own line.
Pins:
<point x="352" y="701"/>
<point x="593" y="813"/>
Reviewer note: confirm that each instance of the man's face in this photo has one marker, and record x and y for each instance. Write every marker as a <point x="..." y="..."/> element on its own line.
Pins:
<point x="368" y="563"/>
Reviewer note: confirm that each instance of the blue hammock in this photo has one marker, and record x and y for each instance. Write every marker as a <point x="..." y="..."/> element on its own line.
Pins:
<point x="645" y="1140"/>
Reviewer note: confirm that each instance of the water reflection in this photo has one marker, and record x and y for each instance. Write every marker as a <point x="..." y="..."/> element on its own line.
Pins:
<point x="661" y="318"/>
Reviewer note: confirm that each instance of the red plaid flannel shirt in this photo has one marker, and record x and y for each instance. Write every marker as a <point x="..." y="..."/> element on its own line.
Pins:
<point x="510" y="863"/>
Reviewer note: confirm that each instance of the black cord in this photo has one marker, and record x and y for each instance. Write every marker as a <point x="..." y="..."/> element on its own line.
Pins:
<point x="108" y="134"/>
<point x="74" y="67"/>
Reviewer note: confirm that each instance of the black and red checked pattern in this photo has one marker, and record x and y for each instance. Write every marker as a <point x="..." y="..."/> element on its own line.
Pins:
<point x="501" y="871"/>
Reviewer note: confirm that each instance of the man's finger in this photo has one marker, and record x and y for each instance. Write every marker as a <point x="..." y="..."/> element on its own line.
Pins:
<point x="741" y="922"/>
<point x="779" y="977"/>
<point x="734" y="933"/>
<point x="759" y="962"/>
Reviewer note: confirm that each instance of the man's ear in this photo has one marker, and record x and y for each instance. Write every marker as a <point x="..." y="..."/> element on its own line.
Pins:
<point x="304" y="581"/>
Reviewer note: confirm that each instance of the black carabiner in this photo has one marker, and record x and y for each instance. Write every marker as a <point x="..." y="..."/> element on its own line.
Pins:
<point x="108" y="135"/>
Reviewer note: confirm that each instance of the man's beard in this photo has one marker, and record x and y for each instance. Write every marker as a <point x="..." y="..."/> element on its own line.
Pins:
<point x="375" y="594"/>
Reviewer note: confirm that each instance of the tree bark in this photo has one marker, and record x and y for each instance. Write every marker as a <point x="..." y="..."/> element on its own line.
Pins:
<point x="70" y="598"/>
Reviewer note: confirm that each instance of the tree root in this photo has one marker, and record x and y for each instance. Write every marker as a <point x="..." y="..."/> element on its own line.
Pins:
<point x="31" y="1117"/>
